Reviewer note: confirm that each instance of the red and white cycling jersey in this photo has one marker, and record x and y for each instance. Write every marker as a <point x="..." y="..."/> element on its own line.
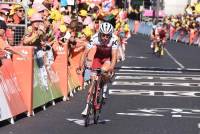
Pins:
<point x="104" y="48"/>
<point x="104" y="51"/>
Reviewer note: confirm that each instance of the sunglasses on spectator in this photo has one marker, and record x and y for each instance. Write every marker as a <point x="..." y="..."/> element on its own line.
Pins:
<point x="20" y="10"/>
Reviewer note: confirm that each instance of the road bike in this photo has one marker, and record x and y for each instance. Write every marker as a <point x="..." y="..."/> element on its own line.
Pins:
<point x="96" y="100"/>
<point x="158" y="48"/>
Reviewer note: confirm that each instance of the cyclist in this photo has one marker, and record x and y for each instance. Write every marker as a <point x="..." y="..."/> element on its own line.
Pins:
<point x="101" y="52"/>
<point x="158" y="34"/>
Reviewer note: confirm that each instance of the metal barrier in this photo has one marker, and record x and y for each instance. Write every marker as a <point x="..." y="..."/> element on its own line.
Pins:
<point x="16" y="31"/>
<point x="145" y="28"/>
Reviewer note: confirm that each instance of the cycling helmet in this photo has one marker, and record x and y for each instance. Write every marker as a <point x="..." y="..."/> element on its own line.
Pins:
<point x="106" y="28"/>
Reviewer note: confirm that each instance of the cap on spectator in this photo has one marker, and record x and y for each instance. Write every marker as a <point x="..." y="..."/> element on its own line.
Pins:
<point x="63" y="28"/>
<point x="3" y="25"/>
<point x="31" y="11"/>
<point x="94" y="15"/>
<point x="38" y="1"/>
<point x="36" y="17"/>
<point x="5" y="7"/>
<point x="92" y="5"/>
<point x="15" y="7"/>
<point x="87" y="31"/>
<point x="55" y="15"/>
<point x="62" y="9"/>
<point x="83" y="13"/>
<point x="4" y="12"/>
<point x="67" y="19"/>
<point x="87" y="21"/>
<point x="39" y="7"/>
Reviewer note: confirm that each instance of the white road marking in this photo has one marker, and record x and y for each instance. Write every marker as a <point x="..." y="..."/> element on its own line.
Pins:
<point x="154" y="77"/>
<point x="165" y="84"/>
<point x="155" y="93"/>
<point x="180" y="78"/>
<point x="141" y="114"/>
<point x="77" y="121"/>
<point x="149" y="71"/>
<point x="133" y="77"/>
<point x="81" y="122"/>
<point x="154" y="68"/>
<point x="174" y="59"/>
<point x="177" y="116"/>
<point x="153" y="74"/>
<point x="137" y="57"/>
<point x="174" y="112"/>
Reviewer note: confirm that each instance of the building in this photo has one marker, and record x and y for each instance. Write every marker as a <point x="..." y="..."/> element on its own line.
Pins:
<point x="174" y="7"/>
<point x="170" y="7"/>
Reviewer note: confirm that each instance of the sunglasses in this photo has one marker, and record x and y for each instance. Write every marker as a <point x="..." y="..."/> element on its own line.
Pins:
<point x="105" y="35"/>
<point x="20" y="10"/>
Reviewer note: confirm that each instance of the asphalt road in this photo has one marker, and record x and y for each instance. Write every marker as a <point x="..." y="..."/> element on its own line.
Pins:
<point x="149" y="95"/>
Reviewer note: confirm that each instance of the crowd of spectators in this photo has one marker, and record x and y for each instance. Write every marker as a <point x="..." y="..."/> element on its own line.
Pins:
<point x="52" y="24"/>
<point x="185" y="27"/>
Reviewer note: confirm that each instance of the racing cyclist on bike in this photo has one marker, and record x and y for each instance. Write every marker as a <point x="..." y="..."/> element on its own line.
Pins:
<point x="158" y="34"/>
<point x="101" y="52"/>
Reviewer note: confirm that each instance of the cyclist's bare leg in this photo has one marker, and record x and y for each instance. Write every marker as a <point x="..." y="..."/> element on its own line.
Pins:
<point x="89" y="62"/>
<point x="105" y="67"/>
<point x="89" y="95"/>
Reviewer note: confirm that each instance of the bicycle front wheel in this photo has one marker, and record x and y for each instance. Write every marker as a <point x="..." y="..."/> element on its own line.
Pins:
<point x="89" y="112"/>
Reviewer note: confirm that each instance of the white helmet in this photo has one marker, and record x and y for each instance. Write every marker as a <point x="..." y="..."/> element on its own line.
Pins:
<point x="106" y="28"/>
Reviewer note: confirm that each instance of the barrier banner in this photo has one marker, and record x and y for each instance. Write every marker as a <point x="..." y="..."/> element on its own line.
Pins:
<point x="60" y="65"/>
<point x="45" y="89"/>
<point x="76" y="56"/>
<point x="24" y="72"/>
<point x="12" y="103"/>
<point x="5" y="112"/>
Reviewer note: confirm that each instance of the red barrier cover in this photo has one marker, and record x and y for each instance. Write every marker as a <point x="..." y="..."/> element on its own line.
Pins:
<point x="12" y="90"/>
<point x="24" y="73"/>
<point x="60" y="67"/>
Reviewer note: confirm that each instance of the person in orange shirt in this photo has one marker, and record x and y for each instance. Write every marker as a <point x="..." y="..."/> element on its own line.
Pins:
<point x="18" y="17"/>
